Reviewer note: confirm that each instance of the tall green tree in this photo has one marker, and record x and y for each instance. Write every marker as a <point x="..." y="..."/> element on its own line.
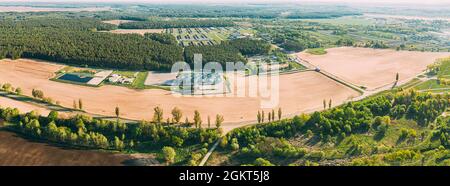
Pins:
<point x="279" y="113"/>
<point x="157" y="115"/>
<point x="169" y="154"/>
<point x="258" y="116"/>
<point x="117" y="111"/>
<point x="209" y="122"/>
<point x="219" y="120"/>
<point x="197" y="119"/>
<point x="177" y="114"/>
<point x="80" y="104"/>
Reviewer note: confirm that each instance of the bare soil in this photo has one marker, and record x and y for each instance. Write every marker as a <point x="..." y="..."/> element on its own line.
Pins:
<point x="373" y="68"/>
<point x="17" y="151"/>
<point x="298" y="93"/>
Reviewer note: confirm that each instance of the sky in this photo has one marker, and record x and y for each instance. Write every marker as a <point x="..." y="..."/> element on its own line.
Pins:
<point x="247" y="1"/>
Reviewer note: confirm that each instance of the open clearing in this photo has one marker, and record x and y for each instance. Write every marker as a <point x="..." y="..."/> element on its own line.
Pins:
<point x="372" y="68"/>
<point x="17" y="151"/>
<point x="136" y="31"/>
<point x="118" y="21"/>
<point x="299" y="92"/>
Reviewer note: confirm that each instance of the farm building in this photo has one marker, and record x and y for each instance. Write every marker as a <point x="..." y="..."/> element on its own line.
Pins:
<point x="116" y="78"/>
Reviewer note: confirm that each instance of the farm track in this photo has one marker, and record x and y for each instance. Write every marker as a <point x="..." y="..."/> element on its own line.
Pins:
<point x="329" y="75"/>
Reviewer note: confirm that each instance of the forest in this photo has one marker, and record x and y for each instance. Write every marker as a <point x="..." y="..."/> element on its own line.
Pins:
<point x="78" y="42"/>
<point x="262" y="11"/>
<point x="65" y="42"/>
<point x="162" y="38"/>
<point x="258" y="11"/>
<point x="87" y="132"/>
<point x="374" y="116"/>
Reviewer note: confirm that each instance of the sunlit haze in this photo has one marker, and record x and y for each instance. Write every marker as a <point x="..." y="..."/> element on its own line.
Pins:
<point x="246" y="1"/>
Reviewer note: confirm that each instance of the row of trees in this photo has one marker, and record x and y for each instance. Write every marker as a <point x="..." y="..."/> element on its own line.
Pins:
<point x="270" y="116"/>
<point x="9" y="88"/>
<point x="158" y="117"/>
<point x="372" y="44"/>
<point x="37" y="94"/>
<point x="177" y="114"/>
<point x="86" y="131"/>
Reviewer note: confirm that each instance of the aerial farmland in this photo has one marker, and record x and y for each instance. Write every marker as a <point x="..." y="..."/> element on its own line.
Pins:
<point x="122" y="84"/>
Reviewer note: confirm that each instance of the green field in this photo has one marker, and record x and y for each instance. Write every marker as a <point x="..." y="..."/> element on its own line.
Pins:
<point x="444" y="71"/>
<point x="316" y="51"/>
<point x="354" y="20"/>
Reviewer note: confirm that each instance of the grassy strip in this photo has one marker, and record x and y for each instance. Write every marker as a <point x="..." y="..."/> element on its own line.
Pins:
<point x="431" y="84"/>
<point x="411" y="83"/>
<point x="297" y="66"/>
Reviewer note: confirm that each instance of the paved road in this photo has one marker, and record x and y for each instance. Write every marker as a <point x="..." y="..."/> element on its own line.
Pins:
<point x="309" y="65"/>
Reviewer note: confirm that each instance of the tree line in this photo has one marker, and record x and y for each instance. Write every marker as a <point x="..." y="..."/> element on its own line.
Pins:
<point x="85" y="131"/>
<point x="75" y="43"/>
<point x="86" y="48"/>
<point x="86" y="24"/>
<point x="244" y="11"/>
<point x="227" y="51"/>
<point x="175" y="23"/>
